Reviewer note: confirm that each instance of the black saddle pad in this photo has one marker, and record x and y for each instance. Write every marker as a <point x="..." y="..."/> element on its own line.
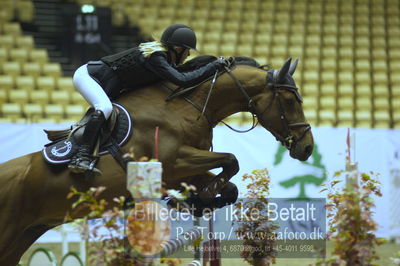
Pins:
<point x="61" y="151"/>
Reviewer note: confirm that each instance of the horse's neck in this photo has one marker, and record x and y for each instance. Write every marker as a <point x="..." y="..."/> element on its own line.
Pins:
<point x="226" y="97"/>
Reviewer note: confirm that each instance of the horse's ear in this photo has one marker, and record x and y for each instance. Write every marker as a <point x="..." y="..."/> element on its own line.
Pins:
<point x="284" y="70"/>
<point x="293" y="67"/>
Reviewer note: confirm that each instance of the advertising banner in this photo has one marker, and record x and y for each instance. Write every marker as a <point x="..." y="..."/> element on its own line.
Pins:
<point x="375" y="150"/>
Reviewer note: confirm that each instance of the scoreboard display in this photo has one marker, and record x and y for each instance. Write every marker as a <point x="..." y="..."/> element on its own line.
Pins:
<point x="88" y="33"/>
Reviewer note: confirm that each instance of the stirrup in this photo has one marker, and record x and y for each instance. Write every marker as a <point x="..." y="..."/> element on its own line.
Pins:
<point x="80" y="166"/>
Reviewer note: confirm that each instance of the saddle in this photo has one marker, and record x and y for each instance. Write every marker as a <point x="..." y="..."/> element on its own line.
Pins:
<point x="113" y="135"/>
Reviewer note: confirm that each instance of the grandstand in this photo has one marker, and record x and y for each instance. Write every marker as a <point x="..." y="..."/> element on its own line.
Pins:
<point x="349" y="51"/>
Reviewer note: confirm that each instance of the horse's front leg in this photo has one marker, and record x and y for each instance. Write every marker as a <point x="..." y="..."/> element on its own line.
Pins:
<point x="227" y="195"/>
<point x="192" y="162"/>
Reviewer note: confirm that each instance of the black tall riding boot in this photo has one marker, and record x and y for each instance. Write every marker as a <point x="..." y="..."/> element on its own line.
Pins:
<point x="83" y="160"/>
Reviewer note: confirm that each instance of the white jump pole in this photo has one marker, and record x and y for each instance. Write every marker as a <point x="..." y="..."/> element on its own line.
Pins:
<point x="82" y="250"/>
<point x="144" y="181"/>
<point x="64" y="240"/>
<point x="351" y="164"/>
<point x="65" y="244"/>
<point x="144" y="178"/>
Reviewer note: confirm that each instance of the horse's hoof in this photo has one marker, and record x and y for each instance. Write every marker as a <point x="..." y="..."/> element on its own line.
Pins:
<point x="229" y="193"/>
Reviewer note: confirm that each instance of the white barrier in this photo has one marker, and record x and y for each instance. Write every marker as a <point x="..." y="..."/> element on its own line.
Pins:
<point x="42" y="257"/>
<point x="194" y="263"/>
<point x="71" y="259"/>
<point x="45" y="257"/>
<point x="66" y="230"/>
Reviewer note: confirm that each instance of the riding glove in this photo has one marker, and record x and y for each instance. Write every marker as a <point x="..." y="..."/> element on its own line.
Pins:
<point x="221" y="63"/>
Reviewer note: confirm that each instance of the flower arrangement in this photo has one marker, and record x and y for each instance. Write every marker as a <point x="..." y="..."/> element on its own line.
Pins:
<point x="108" y="234"/>
<point x="259" y="248"/>
<point x="105" y="235"/>
<point x="350" y="220"/>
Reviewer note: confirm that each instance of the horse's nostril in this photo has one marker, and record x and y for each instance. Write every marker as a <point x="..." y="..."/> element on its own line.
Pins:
<point x="308" y="149"/>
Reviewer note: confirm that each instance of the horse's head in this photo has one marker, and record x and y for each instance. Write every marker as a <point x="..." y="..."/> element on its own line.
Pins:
<point x="279" y="110"/>
<point x="278" y="105"/>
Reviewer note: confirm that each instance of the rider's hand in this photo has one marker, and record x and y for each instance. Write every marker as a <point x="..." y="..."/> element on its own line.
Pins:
<point x="221" y="63"/>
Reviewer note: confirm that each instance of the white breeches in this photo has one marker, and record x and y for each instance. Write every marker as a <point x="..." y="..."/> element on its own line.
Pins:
<point x="92" y="91"/>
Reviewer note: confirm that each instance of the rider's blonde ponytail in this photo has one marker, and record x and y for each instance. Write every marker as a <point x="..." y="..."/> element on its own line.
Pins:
<point x="147" y="48"/>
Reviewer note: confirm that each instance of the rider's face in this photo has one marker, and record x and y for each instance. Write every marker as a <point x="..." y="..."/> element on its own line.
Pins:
<point x="184" y="52"/>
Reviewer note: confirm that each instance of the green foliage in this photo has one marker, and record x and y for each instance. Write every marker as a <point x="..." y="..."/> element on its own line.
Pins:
<point x="350" y="220"/>
<point x="105" y="247"/>
<point x="260" y="243"/>
<point x="396" y="258"/>
<point x="397" y="255"/>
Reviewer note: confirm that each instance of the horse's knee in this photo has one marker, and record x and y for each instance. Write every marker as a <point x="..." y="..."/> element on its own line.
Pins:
<point x="229" y="193"/>
<point x="231" y="164"/>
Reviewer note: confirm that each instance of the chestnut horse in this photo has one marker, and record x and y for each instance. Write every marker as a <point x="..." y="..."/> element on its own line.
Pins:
<point x="33" y="192"/>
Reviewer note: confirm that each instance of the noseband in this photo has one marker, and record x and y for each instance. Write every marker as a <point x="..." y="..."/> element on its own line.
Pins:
<point x="290" y="140"/>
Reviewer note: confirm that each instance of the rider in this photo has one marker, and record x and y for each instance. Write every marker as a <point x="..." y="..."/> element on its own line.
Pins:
<point x="99" y="82"/>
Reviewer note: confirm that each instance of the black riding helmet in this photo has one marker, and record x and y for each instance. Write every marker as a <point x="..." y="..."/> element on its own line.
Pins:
<point x="179" y="35"/>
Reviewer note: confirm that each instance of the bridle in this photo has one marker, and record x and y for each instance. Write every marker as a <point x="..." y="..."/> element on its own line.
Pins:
<point x="288" y="139"/>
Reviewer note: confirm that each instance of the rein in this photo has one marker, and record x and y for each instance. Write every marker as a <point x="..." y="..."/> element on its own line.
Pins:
<point x="213" y="82"/>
